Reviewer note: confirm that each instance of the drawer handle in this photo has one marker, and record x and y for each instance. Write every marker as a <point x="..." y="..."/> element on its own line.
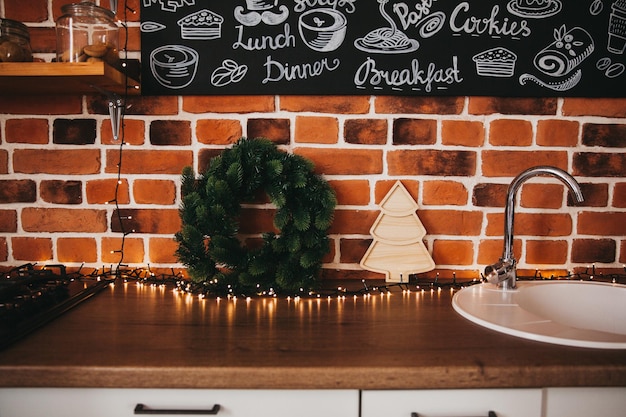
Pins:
<point x="142" y="409"/>
<point x="490" y="414"/>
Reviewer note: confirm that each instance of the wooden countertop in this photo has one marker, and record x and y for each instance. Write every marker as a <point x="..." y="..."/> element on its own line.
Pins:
<point x="150" y="337"/>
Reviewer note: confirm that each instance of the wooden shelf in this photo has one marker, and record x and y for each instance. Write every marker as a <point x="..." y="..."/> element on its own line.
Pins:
<point x="64" y="78"/>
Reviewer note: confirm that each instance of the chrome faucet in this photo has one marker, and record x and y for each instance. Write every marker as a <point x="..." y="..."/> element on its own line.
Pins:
<point x="503" y="273"/>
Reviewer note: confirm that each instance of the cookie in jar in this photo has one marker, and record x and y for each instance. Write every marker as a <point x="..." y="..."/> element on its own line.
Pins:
<point x="87" y="33"/>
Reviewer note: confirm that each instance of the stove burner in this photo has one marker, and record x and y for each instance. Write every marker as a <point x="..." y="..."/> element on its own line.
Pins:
<point x="31" y="298"/>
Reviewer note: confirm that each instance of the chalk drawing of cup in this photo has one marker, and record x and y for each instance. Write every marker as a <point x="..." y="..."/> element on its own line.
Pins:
<point x="617" y="28"/>
<point x="174" y="66"/>
<point x="322" y="30"/>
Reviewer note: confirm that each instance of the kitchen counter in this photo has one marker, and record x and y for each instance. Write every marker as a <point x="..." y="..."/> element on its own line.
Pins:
<point x="142" y="336"/>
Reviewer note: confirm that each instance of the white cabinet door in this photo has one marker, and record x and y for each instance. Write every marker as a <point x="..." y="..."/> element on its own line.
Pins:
<point x="585" y="402"/>
<point x="85" y="402"/>
<point x="452" y="403"/>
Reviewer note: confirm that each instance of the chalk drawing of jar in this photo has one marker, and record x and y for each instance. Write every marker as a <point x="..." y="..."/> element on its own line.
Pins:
<point x="322" y="30"/>
<point x="174" y="66"/>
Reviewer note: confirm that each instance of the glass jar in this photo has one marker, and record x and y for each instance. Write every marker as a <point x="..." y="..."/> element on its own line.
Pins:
<point x="87" y="33"/>
<point x="14" y="42"/>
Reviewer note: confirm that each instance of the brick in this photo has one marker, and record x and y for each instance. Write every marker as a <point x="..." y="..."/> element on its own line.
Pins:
<point x="26" y="11"/>
<point x="603" y="107"/>
<point x="351" y="192"/>
<point x="444" y="193"/>
<point x="277" y="130"/>
<point x="317" y="129"/>
<point x="162" y="250"/>
<point x="596" y="195"/>
<point x="431" y="162"/>
<point x="4" y="161"/>
<point x="510" y="132"/>
<point x="592" y="164"/>
<point x="152" y="221"/>
<point x="452" y="222"/>
<point x="414" y="132"/>
<point x="56" y="161"/>
<point x="43" y="39"/>
<point x="419" y="105"/>
<point x="33" y="131"/>
<point x="65" y="220"/>
<point x="79" y="249"/>
<point x="170" y="132"/>
<point x="56" y="8"/>
<point x="37" y="104"/>
<point x="502" y="105"/>
<point x="218" y="131"/>
<point x="149" y="161"/>
<point x="74" y="132"/>
<point x="512" y="163"/>
<point x="531" y="224"/>
<point x="619" y="195"/>
<point x="546" y="252"/>
<point x="229" y="104"/>
<point x="352" y="250"/>
<point x="344" y="161"/>
<point x="594" y="250"/>
<point x="132" y="132"/>
<point x="104" y="191"/>
<point x="256" y="221"/>
<point x="542" y="195"/>
<point x="557" y="133"/>
<point x="622" y="252"/>
<point x="602" y="223"/>
<point x="4" y="249"/>
<point x="8" y="221"/>
<point x="112" y="246"/>
<point x="605" y="135"/>
<point x="462" y="133"/>
<point x="154" y="192"/>
<point x="490" y="250"/>
<point x="383" y="186"/>
<point x="32" y="249"/>
<point x="365" y="131"/>
<point x="204" y="158"/>
<point x="453" y="252"/>
<point x="139" y="105"/>
<point x="61" y="192"/>
<point x="489" y="195"/>
<point x="353" y="221"/>
<point x="18" y="191"/>
<point x="326" y="104"/>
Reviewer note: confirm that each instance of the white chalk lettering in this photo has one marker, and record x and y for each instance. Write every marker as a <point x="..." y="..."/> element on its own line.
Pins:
<point x="347" y="5"/>
<point x="280" y="41"/>
<point x="412" y="17"/>
<point x="415" y="76"/>
<point x="277" y="71"/>
<point x="486" y="26"/>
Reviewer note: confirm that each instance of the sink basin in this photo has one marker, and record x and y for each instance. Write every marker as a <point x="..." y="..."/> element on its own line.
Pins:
<point x="572" y="313"/>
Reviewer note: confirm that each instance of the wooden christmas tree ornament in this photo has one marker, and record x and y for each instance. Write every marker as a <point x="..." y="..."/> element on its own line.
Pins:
<point x="397" y="249"/>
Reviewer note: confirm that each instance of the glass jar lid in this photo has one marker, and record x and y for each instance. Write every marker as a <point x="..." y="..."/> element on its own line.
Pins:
<point x="13" y="27"/>
<point x="86" y="8"/>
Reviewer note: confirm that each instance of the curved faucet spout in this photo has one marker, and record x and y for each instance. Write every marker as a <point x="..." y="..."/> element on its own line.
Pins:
<point x="503" y="272"/>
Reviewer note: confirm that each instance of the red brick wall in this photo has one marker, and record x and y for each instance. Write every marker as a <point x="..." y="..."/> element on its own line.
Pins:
<point x="58" y="169"/>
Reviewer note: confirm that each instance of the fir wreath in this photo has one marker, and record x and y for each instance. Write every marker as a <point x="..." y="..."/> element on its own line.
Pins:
<point x="208" y="242"/>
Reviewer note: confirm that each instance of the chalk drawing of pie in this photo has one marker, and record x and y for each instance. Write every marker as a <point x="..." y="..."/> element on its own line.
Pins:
<point x="386" y="40"/>
<point x="534" y="9"/>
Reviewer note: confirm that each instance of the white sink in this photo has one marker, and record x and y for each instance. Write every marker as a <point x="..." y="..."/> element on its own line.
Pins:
<point x="572" y="313"/>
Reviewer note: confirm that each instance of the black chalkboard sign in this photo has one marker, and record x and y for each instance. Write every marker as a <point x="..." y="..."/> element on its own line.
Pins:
<point x="382" y="47"/>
